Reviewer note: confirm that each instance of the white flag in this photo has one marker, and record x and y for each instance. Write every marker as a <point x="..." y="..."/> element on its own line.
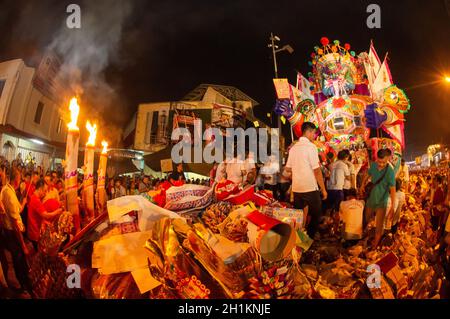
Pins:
<point x="372" y="65"/>
<point x="303" y="86"/>
<point x="296" y="96"/>
<point x="382" y="80"/>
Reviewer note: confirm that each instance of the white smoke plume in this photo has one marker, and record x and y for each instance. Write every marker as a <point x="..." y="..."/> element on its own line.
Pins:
<point x="87" y="52"/>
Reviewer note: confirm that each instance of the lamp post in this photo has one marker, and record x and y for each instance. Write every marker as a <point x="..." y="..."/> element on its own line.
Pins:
<point x="273" y="39"/>
<point x="275" y="49"/>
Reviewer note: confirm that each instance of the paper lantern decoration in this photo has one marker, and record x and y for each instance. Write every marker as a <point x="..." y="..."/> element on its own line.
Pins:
<point x="324" y="41"/>
<point x="396" y="98"/>
<point x="343" y="110"/>
<point x="306" y="106"/>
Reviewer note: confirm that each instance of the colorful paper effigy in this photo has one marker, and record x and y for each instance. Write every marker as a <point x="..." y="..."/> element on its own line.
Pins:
<point x="355" y="104"/>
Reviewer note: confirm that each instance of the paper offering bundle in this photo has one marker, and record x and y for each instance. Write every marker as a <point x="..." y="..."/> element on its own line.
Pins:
<point x="272" y="238"/>
<point x="293" y="217"/>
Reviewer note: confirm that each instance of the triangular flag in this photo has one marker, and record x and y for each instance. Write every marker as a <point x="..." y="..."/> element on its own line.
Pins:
<point x="396" y="132"/>
<point x="296" y="96"/>
<point x="372" y="64"/>
<point x="383" y="79"/>
<point x="303" y="86"/>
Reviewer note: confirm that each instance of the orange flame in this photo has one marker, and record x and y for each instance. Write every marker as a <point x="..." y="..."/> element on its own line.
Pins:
<point x="92" y="133"/>
<point x="105" y="147"/>
<point x="74" y="111"/>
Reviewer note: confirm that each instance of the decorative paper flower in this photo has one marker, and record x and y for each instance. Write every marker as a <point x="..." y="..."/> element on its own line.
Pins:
<point x="334" y="49"/>
<point x="347" y="46"/>
<point x="336" y="42"/>
<point x="324" y="41"/>
<point x="313" y="55"/>
<point x="338" y="103"/>
<point x="320" y="51"/>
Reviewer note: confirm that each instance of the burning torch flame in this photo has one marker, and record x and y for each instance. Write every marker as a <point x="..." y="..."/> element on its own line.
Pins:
<point x="105" y="147"/>
<point x="92" y="133"/>
<point x="74" y="111"/>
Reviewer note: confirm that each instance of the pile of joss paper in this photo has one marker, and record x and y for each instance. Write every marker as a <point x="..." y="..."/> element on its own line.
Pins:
<point x="236" y="242"/>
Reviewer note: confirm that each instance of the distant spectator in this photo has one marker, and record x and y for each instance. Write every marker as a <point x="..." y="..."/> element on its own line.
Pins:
<point x="177" y="175"/>
<point x="144" y="185"/>
<point x="119" y="189"/>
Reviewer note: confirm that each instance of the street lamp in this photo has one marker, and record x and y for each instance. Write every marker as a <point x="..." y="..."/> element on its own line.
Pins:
<point x="275" y="49"/>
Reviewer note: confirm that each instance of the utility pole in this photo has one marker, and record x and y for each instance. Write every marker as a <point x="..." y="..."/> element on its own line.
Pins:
<point x="273" y="39"/>
<point x="274" y="47"/>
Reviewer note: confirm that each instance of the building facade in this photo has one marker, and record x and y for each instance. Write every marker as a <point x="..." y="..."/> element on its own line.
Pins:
<point x="150" y="129"/>
<point x="30" y="120"/>
<point x="224" y="106"/>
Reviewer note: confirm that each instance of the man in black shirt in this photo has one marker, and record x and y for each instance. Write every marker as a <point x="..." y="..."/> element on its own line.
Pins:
<point x="177" y="175"/>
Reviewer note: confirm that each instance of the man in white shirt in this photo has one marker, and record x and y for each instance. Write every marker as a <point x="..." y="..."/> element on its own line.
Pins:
<point x="235" y="170"/>
<point x="270" y="172"/>
<point x="12" y="228"/>
<point x="339" y="174"/>
<point x="351" y="214"/>
<point x="303" y="163"/>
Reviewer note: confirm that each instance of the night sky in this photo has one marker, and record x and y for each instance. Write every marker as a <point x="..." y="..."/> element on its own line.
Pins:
<point x="164" y="49"/>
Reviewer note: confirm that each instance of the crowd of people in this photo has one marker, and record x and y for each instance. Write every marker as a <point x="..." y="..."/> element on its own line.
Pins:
<point x="31" y="198"/>
<point x="139" y="184"/>
<point x="340" y="186"/>
<point x="357" y="193"/>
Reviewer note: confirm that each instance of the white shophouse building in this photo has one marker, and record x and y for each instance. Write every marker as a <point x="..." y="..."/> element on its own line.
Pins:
<point x="30" y="121"/>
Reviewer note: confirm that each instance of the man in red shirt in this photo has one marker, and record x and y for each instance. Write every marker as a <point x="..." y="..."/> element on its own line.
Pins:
<point x="37" y="213"/>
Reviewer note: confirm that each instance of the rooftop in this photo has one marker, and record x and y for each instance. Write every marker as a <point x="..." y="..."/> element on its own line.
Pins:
<point x="230" y="92"/>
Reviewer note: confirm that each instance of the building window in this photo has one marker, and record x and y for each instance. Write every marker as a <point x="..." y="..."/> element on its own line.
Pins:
<point x="2" y="85"/>
<point x="38" y="114"/>
<point x="148" y="127"/>
<point x="59" y="127"/>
